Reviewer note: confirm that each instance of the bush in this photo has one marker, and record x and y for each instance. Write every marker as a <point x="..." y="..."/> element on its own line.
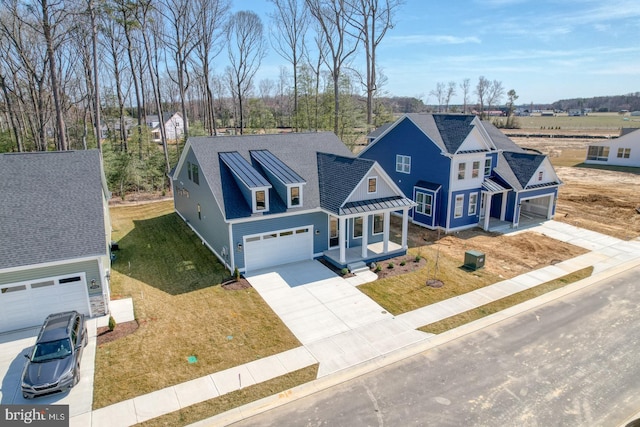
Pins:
<point x="236" y="273"/>
<point x="112" y="323"/>
<point x="390" y="265"/>
<point x="403" y="263"/>
<point x="417" y="258"/>
<point x="344" y="271"/>
<point x="378" y="268"/>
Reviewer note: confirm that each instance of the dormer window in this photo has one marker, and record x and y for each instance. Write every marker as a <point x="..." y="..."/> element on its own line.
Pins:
<point x="294" y="196"/>
<point x="372" y="185"/>
<point x="260" y="199"/>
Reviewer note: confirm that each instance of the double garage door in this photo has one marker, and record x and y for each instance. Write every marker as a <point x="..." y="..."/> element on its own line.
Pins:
<point x="27" y="304"/>
<point x="278" y="247"/>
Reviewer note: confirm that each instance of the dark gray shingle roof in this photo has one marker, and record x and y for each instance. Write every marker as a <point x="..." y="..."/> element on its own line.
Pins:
<point x="523" y="165"/>
<point x="338" y="176"/>
<point x="500" y="140"/>
<point x="296" y="150"/>
<point x="453" y="129"/>
<point x="51" y="207"/>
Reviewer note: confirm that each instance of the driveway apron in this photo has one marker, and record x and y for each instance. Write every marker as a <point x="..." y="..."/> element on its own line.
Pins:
<point x="337" y="323"/>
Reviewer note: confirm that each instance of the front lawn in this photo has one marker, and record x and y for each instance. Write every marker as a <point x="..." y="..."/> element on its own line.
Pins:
<point x="182" y="310"/>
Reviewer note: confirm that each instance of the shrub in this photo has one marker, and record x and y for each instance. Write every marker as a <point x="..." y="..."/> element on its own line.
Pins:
<point x="403" y="263"/>
<point x="112" y="323"/>
<point x="236" y="273"/>
<point x="417" y="258"/>
<point x="344" y="271"/>
<point x="390" y="265"/>
<point x="378" y="268"/>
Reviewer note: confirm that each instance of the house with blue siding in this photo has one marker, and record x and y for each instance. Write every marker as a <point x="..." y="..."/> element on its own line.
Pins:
<point x="463" y="172"/>
<point x="262" y="200"/>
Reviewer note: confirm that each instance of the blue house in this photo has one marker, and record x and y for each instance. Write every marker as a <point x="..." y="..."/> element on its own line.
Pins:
<point x="263" y="200"/>
<point x="463" y="172"/>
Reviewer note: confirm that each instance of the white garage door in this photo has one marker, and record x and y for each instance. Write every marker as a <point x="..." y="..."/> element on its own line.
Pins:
<point x="279" y="247"/>
<point x="27" y="304"/>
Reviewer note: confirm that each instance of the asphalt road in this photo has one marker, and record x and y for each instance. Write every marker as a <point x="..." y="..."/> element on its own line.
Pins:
<point x="572" y="362"/>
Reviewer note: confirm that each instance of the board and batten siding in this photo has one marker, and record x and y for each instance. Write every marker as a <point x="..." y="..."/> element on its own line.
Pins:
<point x="383" y="189"/>
<point x="318" y="220"/>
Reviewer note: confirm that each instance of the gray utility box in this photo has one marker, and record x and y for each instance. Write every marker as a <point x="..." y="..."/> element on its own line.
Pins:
<point x="473" y="260"/>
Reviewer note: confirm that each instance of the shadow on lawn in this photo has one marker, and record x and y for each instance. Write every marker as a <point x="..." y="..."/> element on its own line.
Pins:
<point x="164" y="253"/>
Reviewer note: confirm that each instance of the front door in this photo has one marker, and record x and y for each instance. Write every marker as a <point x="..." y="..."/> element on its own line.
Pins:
<point x="334" y="232"/>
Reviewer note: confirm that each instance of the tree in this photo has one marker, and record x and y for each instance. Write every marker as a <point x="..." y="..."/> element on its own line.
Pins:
<point x="511" y="121"/>
<point x="440" y="94"/>
<point x="246" y="50"/>
<point x="495" y="94"/>
<point x="291" y="21"/>
<point x="372" y="19"/>
<point x="451" y="91"/>
<point x="482" y="91"/>
<point x="466" y="87"/>
<point x="334" y="19"/>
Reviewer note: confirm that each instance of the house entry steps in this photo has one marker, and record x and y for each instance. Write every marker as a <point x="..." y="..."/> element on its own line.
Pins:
<point x="357" y="267"/>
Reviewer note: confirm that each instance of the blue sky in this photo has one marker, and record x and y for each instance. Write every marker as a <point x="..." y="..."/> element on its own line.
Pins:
<point x="545" y="50"/>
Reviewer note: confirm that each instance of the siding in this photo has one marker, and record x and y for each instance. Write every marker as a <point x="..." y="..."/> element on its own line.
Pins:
<point x="361" y="192"/>
<point x="466" y="220"/>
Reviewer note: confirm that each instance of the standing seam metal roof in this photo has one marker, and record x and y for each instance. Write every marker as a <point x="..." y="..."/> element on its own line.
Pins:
<point x="276" y="166"/>
<point x="243" y="170"/>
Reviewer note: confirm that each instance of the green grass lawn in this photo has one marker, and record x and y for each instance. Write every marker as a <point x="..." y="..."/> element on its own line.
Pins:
<point x="595" y="121"/>
<point x="182" y="310"/>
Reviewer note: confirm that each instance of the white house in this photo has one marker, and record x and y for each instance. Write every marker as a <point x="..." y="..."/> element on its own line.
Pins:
<point x="173" y="126"/>
<point x="622" y="151"/>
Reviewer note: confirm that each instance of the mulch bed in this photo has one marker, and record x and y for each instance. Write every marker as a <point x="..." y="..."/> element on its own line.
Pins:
<point x="236" y="285"/>
<point x="410" y="265"/>
<point x="121" y="330"/>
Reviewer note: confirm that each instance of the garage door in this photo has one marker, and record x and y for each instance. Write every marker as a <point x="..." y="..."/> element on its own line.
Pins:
<point x="536" y="207"/>
<point x="27" y="304"/>
<point x="279" y="247"/>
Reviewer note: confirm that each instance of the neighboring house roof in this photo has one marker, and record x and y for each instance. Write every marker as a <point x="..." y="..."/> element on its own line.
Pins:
<point x="299" y="151"/>
<point x="51" y="207"/>
<point x="500" y="140"/>
<point x="378" y="131"/>
<point x="166" y="115"/>
<point x="626" y="131"/>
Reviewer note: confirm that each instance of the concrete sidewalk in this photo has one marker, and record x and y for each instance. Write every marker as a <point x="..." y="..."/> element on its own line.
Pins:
<point x="347" y="334"/>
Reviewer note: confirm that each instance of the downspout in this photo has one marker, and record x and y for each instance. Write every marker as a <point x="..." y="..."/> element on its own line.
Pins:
<point x="232" y="262"/>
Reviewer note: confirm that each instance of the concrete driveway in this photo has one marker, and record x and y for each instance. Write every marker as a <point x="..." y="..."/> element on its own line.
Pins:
<point x="13" y="347"/>
<point x="337" y="323"/>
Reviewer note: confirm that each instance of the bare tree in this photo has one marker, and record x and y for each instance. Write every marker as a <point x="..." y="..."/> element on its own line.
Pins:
<point x="495" y="94"/>
<point x="440" y="93"/>
<point x="291" y="21"/>
<point x="466" y="88"/>
<point x="450" y="91"/>
<point x="482" y="91"/>
<point x="334" y="19"/>
<point x="372" y="19"/>
<point x="246" y="50"/>
<point x="210" y="26"/>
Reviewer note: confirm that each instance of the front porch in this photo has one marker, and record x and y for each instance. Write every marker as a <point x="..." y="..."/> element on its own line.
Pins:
<point x="375" y="253"/>
<point x="504" y="227"/>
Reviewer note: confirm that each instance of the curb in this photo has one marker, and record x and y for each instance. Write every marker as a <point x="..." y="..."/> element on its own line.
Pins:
<point x="271" y="402"/>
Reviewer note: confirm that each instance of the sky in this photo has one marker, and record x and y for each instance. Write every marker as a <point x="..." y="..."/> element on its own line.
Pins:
<point x="546" y="50"/>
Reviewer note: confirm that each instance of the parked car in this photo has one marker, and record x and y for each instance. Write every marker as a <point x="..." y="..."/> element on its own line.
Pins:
<point x="54" y="363"/>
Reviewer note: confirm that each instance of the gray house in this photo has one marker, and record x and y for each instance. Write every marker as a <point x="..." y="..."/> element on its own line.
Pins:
<point x="263" y="200"/>
<point x="54" y="236"/>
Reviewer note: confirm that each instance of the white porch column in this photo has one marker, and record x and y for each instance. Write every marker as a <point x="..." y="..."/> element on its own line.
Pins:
<point x="503" y="209"/>
<point x="365" y="235"/>
<point x="385" y="232"/>
<point x="342" y="240"/>
<point x="487" y="211"/>
<point x="405" y="227"/>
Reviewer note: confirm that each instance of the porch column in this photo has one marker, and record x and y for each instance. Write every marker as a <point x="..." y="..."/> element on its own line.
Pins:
<point x="552" y="202"/>
<point x="503" y="209"/>
<point x="342" y="240"/>
<point x="487" y="211"/>
<point x="365" y="235"/>
<point x="385" y="232"/>
<point x="405" y="227"/>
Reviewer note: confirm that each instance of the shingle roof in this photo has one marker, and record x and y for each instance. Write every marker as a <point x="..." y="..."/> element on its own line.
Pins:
<point x="296" y="150"/>
<point x="523" y="165"/>
<point x="338" y="176"/>
<point x="379" y="130"/>
<point x="51" y="207"/>
<point x="500" y="140"/>
<point x="447" y="131"/>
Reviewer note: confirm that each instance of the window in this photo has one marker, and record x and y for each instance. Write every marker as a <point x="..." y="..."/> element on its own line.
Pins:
<point x="13" y="289"/>
<point x="598" y="152"/>
<point x="473" y="203"/>
<point x="260" y="200"/>
<point x="540" y="175"/>
<point x="403" y="163"/>
<point x="424" y="203"/>
<point x="286" y="233"/>
<point x="372" y="185"/>
<point x="623" y="153"/>
<point x="487" y="166"/>
<point x="357" y="227"/>
<point x="378" y="223"/>
<point x="295" y="196"/>
<point x="461" y="170"/>
<point x="42" y="284"/>
<point x="459" y="206"/>
<point x="194" y="173"/>
<point x="189" y="170"/>
<point x="475" y="170"/>
<point x="70" y="279"/>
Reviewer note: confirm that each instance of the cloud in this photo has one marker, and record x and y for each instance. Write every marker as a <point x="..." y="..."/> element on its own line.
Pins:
<point x="432" y="39"/>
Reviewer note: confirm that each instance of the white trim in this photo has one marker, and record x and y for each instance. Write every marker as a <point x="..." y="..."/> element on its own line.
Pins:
<point x="455" y="215"/>
<point x="54" y="263"/>
<point x="404" y="157"/>
<point x="273" y="216"/>
<point x="375" y="178"/>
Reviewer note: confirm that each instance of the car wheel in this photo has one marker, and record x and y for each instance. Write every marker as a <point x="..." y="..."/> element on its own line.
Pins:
<point x="26" y="396"/>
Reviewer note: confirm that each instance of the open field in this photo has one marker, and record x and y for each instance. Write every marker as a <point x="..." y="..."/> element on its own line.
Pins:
<point x="593" y="124"/>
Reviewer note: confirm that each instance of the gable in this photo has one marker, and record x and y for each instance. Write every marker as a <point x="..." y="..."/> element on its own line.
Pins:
<point x="383" y="186"/>
<point x="544" y="175"/>
<point x="526" y="168"/>
<point x="454" y="129"/>
<point x="475" y="142"/>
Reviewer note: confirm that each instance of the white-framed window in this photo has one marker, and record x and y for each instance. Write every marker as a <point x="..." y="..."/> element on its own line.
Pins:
<point x="487" y="166"/>
<point x="424" y="202"/>
<point x="457" y="213"/>
<point x="598" y="152"/>
<point x="357" y="227"/>
<point x="403" y="163"/>
<point x="372" y="185"/>
<point x="294" y="196"/>
<point x="261" y="200"/>
<point x="540" y="175"/>
<point x="475" y="170"/>
<point x="378" y="223"/>
<point x="473" y="204"/>
<point x="624" y="153"/>
<point x="462" y="167"/>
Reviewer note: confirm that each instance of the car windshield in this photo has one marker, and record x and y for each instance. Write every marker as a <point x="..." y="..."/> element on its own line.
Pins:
<point x="51" y="350"/>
